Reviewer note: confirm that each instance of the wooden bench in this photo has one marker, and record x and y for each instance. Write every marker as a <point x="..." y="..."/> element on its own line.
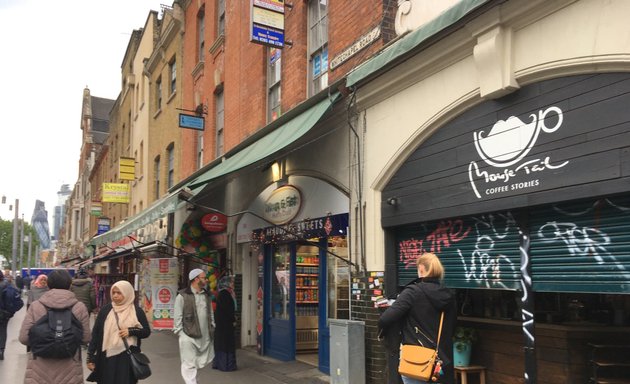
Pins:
<point x="461" y="373"/>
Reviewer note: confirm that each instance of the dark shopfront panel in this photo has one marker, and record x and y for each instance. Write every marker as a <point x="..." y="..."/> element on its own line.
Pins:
<point x="580" y="263"/>
<point x="525" y="200"/>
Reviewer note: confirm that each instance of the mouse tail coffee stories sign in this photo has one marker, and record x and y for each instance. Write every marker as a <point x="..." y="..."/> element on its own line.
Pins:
<point x="267" y="22"/>
<point x="556" y="140"/>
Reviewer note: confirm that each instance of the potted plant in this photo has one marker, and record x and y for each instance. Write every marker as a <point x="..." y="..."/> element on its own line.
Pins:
<point x="462" y="345"/>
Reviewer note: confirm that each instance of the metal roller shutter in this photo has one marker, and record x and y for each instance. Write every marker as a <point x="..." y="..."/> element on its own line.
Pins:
<point x="477" y="251"/>
<point x="582" y="246"/>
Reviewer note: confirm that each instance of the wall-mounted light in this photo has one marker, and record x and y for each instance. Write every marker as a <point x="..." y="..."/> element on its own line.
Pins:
<point x="393" y="201"/>
<point x="275" y="171"/>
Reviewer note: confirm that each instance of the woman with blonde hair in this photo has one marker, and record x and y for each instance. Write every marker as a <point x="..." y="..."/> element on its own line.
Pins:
<point x="417" y="312"/>
<point x="122" y="318"/>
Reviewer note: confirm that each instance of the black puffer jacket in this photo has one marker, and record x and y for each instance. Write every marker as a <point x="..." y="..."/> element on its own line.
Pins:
<point x="419" y="305"/>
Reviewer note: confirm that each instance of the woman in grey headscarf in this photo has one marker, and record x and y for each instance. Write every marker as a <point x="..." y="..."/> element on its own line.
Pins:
<point x="225" y="317"/>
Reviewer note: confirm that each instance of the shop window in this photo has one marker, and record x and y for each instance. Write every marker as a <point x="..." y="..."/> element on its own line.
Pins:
<point x="338" y="278"/>
<point x="281" y="267"/>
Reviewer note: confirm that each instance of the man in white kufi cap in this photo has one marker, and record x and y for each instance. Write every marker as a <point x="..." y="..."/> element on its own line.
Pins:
<point x="194" y="322"/>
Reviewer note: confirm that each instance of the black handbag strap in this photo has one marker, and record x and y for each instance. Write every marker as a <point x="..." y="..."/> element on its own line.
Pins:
<point x="125" y="339"/>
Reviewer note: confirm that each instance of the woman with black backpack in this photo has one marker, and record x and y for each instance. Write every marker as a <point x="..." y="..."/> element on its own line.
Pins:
<point x="55" y="368"/>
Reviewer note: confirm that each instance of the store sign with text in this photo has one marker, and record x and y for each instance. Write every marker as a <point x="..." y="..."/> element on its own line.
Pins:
<point x="283" y="205"/>
<point x="503" y="149"/>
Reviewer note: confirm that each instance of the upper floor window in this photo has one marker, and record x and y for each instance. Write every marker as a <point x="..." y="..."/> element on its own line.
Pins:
<point x="318" y="45"/>
<point x="220" y="17"/>
<point x="158" y="93"/>
<point x="156" y="177"/>
<point x="171" y="165"/>
<point x="172" y="69"/>
<point x="201" y="34"/>
<point x="199" y="149"/>
<point x="274" y="72"/>
<point x="220" y="122"/>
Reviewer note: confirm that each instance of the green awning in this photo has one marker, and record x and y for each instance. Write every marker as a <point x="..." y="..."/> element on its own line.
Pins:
<point x="265" y="146"/>
<point x="413" y="39"/>
<point x="269" y="144"/>
<point x="159" y="209"/>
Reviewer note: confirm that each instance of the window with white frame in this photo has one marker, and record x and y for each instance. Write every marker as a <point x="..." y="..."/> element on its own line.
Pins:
<point x="274" y="73"/>
<point x="220" y="17"/>
<point x="201" y="34"/>
<point x="318" y="45"/>
<point x="220" y="122"/>
<point x="172" y="69"/>
<point x="170" y="150"/>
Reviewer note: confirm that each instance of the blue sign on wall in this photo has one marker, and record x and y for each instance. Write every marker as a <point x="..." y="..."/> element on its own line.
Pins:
<point x="268" y="36"/>
<point x="191" y="121"/>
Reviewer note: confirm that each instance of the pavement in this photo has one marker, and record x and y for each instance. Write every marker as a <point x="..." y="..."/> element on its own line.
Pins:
<point x="163" y="350"/>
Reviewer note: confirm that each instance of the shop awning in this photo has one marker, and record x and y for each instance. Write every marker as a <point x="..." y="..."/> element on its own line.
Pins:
<point x="268" y="144"/>
<point x="412" y="40"/>
<point x="160" y="208"/>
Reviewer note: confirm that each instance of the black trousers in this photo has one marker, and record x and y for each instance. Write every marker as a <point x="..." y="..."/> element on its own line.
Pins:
<point x="3" y="334"/>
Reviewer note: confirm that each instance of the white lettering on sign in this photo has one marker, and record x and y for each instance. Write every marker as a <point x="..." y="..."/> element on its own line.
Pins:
<point x="363" y="42"/>
<point x="507" y="143"/>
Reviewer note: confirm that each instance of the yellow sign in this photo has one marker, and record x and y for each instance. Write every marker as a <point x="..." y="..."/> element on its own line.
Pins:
<point x="115" y="193"/>
<point x="127" y="168"/>
<point x="268" y="18"/>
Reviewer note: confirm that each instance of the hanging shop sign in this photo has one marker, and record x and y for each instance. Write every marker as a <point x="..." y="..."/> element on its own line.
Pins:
<point x="267" y="22"/>
<point x="555" y="140"/>
<point x="103" y="225"/>
<point x="115" y="193"/>
<point x="127" y="168"/>
<point x="214" y="222"/>
<point x="96" y="208"/>
<point x="283" y="205"/>
<point x="191" y="121"/>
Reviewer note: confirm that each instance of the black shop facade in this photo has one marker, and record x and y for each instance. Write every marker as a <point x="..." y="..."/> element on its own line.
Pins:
<point x="526" y="201"/>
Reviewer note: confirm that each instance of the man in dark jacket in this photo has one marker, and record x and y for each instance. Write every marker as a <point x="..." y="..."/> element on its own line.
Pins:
<point x="84" y="290"/>
<point x="4" y="322"/>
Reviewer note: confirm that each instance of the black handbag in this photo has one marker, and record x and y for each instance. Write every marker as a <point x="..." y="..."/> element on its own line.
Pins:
<point x="140" y="363"/>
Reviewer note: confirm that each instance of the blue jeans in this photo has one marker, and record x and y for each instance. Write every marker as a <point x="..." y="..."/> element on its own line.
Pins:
<point x="407" y="380"/>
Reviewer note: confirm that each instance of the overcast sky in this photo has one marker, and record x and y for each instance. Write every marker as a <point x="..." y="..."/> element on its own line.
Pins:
<point x="51" y="51"/>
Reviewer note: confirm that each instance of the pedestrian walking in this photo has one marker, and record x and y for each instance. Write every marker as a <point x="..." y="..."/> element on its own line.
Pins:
<point x="27" y="281"/>
<point x="84" y="289"/>
<point x="40" y="286"/>
<point x="54" y="370"/>
<point x="19" y="282"/>
<point x="194" y="324"/>
<point x="4" y="319"/>
<point x="224" y="336"/>
<point x="122" y="318"/>
<point x="417" y="311"/>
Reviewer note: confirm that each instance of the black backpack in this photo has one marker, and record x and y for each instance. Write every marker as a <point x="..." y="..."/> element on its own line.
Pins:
<point x="57" y="335"/>
<point x="10" y="301"/>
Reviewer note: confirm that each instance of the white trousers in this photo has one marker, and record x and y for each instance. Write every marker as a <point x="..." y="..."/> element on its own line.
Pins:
<point x="189" y="373"/>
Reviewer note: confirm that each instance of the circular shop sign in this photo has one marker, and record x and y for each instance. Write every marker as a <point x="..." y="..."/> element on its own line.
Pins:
<point x="283" y="205"/>
<point x="214" y="222"/>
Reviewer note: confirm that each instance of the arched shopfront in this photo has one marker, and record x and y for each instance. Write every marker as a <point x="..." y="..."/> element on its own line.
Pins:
<point x="525" y="200"/>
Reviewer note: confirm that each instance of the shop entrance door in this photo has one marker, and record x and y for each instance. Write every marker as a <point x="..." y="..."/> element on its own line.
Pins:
<point x="279" y="335"/>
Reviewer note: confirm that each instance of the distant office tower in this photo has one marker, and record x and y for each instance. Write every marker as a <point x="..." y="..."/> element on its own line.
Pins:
<point x="40" y="224"/>
<point x="58" y="216"/>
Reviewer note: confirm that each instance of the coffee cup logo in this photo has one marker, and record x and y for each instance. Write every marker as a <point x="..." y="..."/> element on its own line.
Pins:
<point x="507" y="144"/>
<point x="509" y="141"/>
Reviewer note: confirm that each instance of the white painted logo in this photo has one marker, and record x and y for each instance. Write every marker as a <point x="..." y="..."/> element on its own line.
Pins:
<point x="507" y="143"/>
